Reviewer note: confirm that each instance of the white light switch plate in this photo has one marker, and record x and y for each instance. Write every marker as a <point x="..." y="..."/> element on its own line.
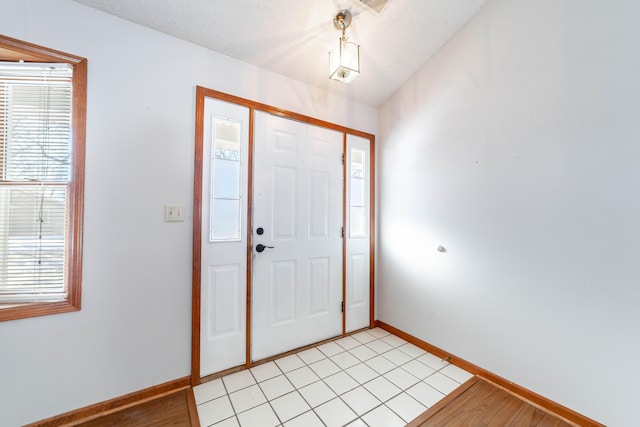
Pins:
<point x="173" y="213"/>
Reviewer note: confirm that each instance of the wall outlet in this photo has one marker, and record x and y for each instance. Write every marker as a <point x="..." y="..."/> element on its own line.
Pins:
<point x="173" y="213"/>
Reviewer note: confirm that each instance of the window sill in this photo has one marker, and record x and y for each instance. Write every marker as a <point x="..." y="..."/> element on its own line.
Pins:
<point x="23" y="311"/>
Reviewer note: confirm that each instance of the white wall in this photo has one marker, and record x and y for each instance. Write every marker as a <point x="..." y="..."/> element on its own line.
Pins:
<point x="517" y="148"/>
<point x="134" y="328"/>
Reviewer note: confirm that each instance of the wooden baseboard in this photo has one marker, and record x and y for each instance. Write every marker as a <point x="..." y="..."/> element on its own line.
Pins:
<point x="113" y="405"/>
<point x="536" y="399"/>
<point x="193" y="408"/>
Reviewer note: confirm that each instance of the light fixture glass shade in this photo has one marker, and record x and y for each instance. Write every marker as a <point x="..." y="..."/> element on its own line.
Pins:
<point x="344" y="61"/>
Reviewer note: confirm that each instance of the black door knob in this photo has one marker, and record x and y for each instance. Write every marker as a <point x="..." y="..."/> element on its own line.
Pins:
<point x="260" y="247"/>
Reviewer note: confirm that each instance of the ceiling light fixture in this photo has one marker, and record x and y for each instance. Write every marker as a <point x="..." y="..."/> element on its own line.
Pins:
<point x="344" y="60"/>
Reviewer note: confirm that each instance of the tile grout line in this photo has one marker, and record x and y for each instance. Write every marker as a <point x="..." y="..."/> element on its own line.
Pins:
<point x="264" y="395"/>
<point x="339" y="396"/>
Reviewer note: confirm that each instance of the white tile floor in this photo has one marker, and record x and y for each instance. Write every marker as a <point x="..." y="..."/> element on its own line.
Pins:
<point x="370" y="379"/>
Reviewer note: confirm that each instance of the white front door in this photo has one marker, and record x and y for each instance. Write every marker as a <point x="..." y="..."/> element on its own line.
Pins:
<point x="297" y="218"/>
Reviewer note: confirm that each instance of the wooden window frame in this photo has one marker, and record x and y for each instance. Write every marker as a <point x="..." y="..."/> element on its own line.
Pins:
<point x="17" y="50"/>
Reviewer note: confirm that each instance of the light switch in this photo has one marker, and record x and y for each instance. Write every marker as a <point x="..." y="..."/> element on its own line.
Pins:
<point x="173" y="213"/>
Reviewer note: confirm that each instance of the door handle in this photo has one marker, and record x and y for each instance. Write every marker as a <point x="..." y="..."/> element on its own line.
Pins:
<point x="260" y="247"/>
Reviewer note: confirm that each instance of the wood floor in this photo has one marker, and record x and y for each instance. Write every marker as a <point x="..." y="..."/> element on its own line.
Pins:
<point x="482" y="404"/>
<point x="171" y="410"/>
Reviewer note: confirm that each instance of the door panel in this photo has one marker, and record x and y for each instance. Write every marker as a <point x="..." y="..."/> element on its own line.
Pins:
<point x="320" y="286"/>
<point x="225" y="289"/>
<point x="284" y="220"/>
<point x="283" y="291"/>
<point x="297" y="284"/>
<point x="319" y="205"/>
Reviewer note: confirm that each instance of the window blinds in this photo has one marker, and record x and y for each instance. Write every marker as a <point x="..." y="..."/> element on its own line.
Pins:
<point x="35" y="175"/>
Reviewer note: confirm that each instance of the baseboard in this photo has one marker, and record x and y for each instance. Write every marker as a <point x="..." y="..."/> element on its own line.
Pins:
<point x="193" y="408"/>
<point x="536" y="399"/>
<point x="113" y="405"/>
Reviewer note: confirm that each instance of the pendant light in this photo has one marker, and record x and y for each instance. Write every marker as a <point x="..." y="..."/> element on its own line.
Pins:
<point x="344" y="59"/>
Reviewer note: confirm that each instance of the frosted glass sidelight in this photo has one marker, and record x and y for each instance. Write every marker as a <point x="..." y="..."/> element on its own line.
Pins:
<point x="357" y="163"/>
<point x="226" y="165"/>
<point x="226" y="179"/>
<point x="358" y="221"/>
<point x="226" y="142"/>
<point x="357" y="192"/>
<point x="358" y="259"/>
<point x="358" y="208"/>
<point x="225" y="220"/>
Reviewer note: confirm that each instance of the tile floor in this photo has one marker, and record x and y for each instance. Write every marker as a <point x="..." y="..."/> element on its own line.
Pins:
<point x="371" y="378"/>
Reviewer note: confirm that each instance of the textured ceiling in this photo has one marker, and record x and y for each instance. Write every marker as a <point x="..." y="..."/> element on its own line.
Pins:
<point x="293" y="37"/>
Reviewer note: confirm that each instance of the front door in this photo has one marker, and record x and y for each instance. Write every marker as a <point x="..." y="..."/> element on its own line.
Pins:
<point x="297" y="235"/>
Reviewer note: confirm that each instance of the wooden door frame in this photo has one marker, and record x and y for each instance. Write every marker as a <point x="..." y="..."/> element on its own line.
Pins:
<point x="201" y="94"/>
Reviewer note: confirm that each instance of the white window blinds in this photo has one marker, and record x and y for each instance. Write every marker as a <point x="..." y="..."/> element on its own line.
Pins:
<point x="35" y="175"/>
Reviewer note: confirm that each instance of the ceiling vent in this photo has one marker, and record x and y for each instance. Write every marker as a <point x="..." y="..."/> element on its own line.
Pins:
<point x="376" y="5"/>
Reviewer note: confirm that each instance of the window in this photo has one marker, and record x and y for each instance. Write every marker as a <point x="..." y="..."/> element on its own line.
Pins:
<point x="358" y="205"/>
<point x="225" y="181"/>
<point x="42" y="131"/>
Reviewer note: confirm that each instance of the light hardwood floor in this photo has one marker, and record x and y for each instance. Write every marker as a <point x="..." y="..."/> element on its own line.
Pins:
<point x="174" y="409"/>
<point x="479" y="403"/>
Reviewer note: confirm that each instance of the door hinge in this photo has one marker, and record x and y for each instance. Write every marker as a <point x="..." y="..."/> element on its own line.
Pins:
<point x="342" y="307"/>
<point x="343" y="158"/>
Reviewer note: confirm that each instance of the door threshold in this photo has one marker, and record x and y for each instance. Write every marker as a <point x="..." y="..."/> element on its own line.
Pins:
<point x="250" y="365"/>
